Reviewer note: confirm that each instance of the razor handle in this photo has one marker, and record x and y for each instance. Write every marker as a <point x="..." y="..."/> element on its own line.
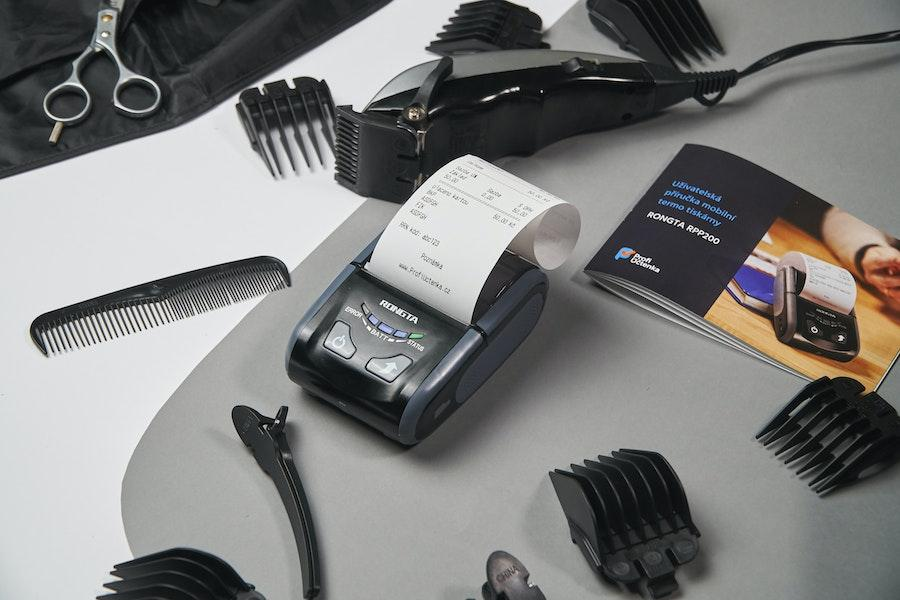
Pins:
<point x="491" y="115"/>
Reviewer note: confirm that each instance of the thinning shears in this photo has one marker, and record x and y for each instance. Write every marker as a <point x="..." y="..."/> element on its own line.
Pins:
<point x="104" y="40"/>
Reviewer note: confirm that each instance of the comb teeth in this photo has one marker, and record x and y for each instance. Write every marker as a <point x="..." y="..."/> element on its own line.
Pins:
<point x="834" y="434"/>
<point x="346" y="159"/>
<point x="661" y="31"/>
<point x="302" y="111"/>
<point x="629" y="515"/>
<point x="156" y="303"/>
<point x="178" y="574"/>
<point x="489" y="25"/>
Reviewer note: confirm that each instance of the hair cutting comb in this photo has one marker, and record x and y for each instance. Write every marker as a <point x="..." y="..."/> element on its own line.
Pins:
<point x="630" y="517"/>
<point x="489" y="25"/>
<point x="157" y="303"/>
<point x="178" y="574"/>
<point x="659" y="31"/>
<point x="278" y="108"/>
<point x="835" y="432"/>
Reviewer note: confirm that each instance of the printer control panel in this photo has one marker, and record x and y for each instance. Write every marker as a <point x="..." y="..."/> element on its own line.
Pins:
<point x="370" y="346"/>
<point x="824" y="327"/>
<point x="401" y="347"/>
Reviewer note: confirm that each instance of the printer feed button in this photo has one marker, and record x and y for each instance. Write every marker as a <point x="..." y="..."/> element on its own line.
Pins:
<point x="339" y="341"/>
<point x="388" y="368"/>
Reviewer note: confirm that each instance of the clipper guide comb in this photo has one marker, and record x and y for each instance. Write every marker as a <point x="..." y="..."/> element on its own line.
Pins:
<point x="661" y="31"/>
<point x="487" y="25"/>
<point x="833" y="431"/>
<point x="277" y="108"/>
<point x="630" y="517"/>
<point x="156" y="303"/>
<point x="178" y="574"/>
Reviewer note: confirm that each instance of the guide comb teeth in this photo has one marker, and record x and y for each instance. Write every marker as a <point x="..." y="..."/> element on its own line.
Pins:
<point x="630" y="517"/>
<point x="659" y="31"/>
<point x="178" y="574"/>
<point x="487" y="25"/>
<point x="836" y="434"/>
<point x="303" y="110"/>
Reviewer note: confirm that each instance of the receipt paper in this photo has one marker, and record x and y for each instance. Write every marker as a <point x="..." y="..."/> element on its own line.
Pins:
<point x="446" y="239"/>
<point x="826" y="284"/>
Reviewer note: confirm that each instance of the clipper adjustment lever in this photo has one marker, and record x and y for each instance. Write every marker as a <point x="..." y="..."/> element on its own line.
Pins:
<point x="265" y="436"/>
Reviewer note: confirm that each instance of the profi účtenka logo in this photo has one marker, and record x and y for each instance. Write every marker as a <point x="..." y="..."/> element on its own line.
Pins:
<point x="635" y="258"/>
<point x="625" y="253"/>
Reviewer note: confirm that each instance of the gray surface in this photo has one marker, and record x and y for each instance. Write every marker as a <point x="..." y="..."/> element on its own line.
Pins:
<point x="596" y="375"/>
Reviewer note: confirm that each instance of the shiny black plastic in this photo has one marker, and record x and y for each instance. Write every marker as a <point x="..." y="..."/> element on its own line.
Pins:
<point x="629" y="515"/>
<point x="835" y="433"/>
<point x="178" y="574"/>
<point x="494" y="104"/>
<point x="265" y="436"/>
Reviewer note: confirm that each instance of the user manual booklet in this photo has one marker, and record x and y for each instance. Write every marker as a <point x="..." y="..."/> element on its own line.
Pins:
<point x="728" y="249"/>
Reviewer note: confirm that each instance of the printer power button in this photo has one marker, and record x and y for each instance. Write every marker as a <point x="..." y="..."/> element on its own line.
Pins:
<point x="339" y="341"/>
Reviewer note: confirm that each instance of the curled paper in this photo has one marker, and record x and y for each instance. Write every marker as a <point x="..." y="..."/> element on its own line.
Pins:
<point x="826" y="284"/>
<point x="443" y="243"/>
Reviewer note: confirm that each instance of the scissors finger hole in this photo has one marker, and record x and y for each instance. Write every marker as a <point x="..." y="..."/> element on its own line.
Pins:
<point x="137" y="96"/>
<point x="66" y="104"/>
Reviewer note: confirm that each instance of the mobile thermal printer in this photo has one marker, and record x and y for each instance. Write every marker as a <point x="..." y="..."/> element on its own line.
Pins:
<point x="414" y="325"/>
<point x="814" y="307"/>
<point x="399" y="365"/>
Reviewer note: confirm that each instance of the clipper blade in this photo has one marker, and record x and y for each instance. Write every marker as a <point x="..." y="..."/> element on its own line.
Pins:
<point x="178" y="574"/>
<point x="488" y="25"/>
<point x="834" y="433"/>
<point x="156" y="303"/>
<point x="303" y="111"/>
<point x="660" y="31"/>
<point x="629" y="515"/>
<point x="374" y="157"/>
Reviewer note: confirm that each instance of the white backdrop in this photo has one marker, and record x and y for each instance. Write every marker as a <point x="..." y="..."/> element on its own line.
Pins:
<point x="171" y="202"/>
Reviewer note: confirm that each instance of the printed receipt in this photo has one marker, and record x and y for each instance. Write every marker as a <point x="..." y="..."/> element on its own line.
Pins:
<point x="446" y="239"/>
<point x="825" y="284"/>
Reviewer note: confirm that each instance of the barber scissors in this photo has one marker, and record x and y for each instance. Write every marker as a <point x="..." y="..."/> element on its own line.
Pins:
<point x="104" y="40"/>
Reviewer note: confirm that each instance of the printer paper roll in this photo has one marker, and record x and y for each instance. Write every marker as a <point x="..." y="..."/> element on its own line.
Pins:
<point x="826" y="284"/>
<point x="443" y="243"/>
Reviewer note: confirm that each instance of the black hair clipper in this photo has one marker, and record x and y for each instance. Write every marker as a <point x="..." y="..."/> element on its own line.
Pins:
<point x="495" y="104"/>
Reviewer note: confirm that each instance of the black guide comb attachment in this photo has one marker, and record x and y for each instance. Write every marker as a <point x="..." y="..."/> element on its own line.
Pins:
<point x="630" y="517"/>
<point x="303" y="111"/>
<point x="834" y="433"/>
<point x="178" y="574"/>
<point x="156" y="303"/>
<point x="488" y="25"/>
<point x="265" y="436"/>
<point x="507" y="579"/>
<point x="674" y="32"/>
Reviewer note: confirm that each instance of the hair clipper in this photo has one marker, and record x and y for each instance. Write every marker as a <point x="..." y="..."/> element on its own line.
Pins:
<point x="495" y="104"/>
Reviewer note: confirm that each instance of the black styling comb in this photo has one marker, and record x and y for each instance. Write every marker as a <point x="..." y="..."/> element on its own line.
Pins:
<point x="630" y="517"/>
<point x="489" y="25"/>
<point x="278" y="109"/>
<point x="830" y="430"/>
<point x="156" y="303"/>
<point x="659" y="31"/>
<point x="178" y="574"/>
<point x="265" y="437"/>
